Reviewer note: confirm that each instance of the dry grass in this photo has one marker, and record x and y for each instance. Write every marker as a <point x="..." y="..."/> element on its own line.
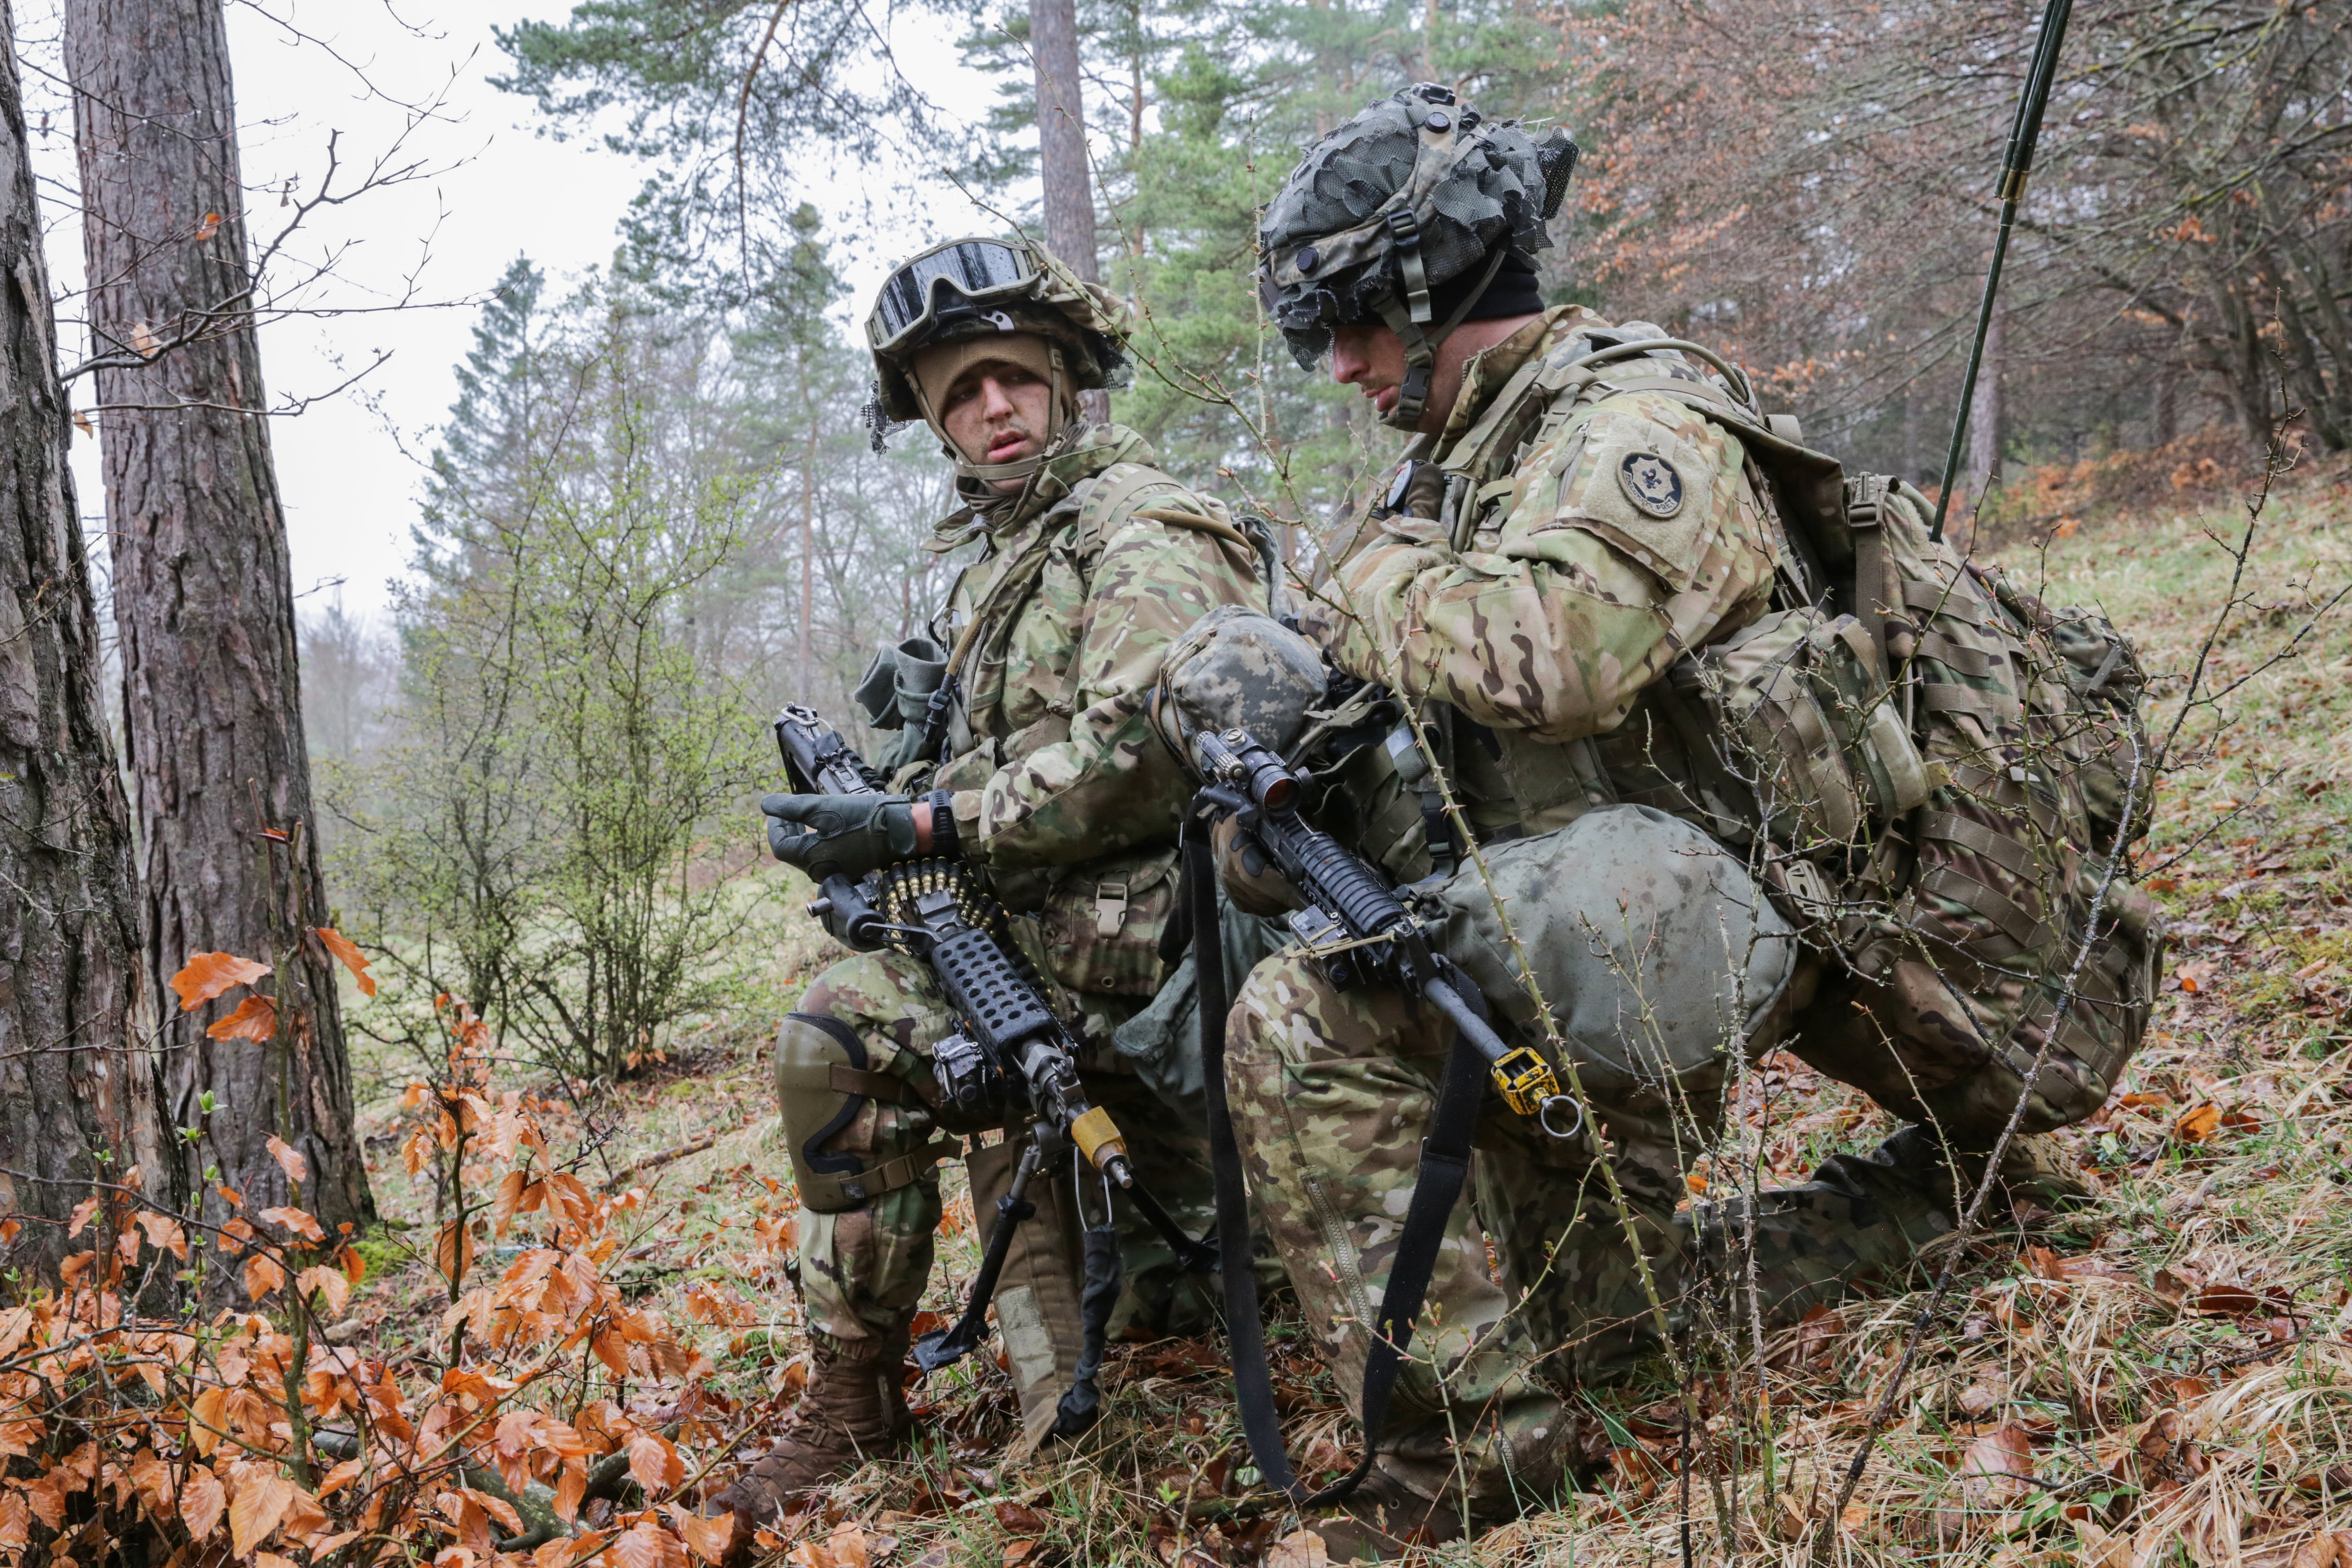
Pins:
<point x="2166" y="1377"/>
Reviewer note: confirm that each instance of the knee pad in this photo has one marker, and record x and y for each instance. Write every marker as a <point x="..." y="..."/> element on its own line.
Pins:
<point x="823" y="1082"/>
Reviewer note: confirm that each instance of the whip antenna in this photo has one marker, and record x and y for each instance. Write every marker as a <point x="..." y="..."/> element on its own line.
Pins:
<point x="2023" y="134"/>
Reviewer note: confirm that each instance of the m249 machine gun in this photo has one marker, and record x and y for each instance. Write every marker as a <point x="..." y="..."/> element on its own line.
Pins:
<point x="1010" y="1056"/>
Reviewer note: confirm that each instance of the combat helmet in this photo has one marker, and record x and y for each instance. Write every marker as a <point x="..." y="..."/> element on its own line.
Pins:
<point x="977" y="288"/>
<point x="1406" y="216"/>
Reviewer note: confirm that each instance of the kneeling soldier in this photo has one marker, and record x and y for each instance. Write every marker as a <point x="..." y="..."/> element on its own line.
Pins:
<point x="1710" y="813"/>
<point x="1026" y="752"/>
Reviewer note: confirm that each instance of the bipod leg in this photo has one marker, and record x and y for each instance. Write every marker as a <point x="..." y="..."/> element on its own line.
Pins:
<point x="1192" y="1256"/>
<point x="945" y="1347"/>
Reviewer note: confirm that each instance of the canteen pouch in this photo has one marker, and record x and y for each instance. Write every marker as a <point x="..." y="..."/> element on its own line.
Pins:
<point x="896" y="694"/>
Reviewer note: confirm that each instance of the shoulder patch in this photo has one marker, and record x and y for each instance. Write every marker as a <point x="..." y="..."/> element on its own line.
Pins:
<point x="1647" y="481"/>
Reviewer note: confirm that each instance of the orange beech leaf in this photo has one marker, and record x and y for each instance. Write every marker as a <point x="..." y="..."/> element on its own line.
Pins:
<point x="290" y="1160"/>
<point x="570" y="1491"/>
<point x="153" y="1478"/>
<point x="355" y="1266"/>
<point x="498" y="1509"/>
<point x="297" y="1221"/>
<point x="16" y="1522"/>
<point x="164" y="1234"/>
<point x="654" y="1462"/>
<point x="207" y="1419"/>
<point x="256" y="1018"/>
<point x="332" y="1283"/>
<point x="453" y="1252"/>
<point x="230" y="1195"/>
<point x="708" y="1538"/>
<point x="233" y="1235"/>
<point x="47" y="1497"/>
<point x="2198" y="1124"/>
<point x="342" y="1476"/>
<point x="355" y="960"/>
<point x="83" y="1213"/>
<point x="262" y="1499"/>
<point x="208" y="974"/>
<point x="262" y="1275"/>
<point x="201" y="1502"/>
<point x="646" y="1544"/>
<point x="271" y="1560"/>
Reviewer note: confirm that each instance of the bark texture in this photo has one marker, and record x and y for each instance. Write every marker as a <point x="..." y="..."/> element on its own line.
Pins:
<point x="77" y="1077"/>
<point x="1069" y="181"/>
<point x="203" y="597"/>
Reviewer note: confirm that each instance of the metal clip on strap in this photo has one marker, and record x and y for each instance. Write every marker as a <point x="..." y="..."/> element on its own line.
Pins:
<point x="1404" y="232"/>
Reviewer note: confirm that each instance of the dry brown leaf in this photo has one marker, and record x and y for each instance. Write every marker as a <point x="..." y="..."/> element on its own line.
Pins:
<point x="2198" y="1123"/>
<point x="290" y="1160"/>
<point x="849" y="1545"/>
<point x="1302" y="1549"/>
<point x="262" y="1499"/>
<point x="708" y="1538"/>
<point x="646" y="1544"/>
<point x="256" y="1018"/>
<point x="262" y="1275"/>
<point x="207" y="975"/>
<point x="1018" y="1552"/>
<point x="1018" y="1519"/>
<point x="344" y="949"/>
<point x="202" y="1499"/>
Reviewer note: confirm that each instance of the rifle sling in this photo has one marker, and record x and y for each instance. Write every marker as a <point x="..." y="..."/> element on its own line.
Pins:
<point x="1445" y="1166"/>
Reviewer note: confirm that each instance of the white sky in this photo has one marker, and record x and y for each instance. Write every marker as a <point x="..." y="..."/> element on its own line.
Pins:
<point x="349" y="467"/>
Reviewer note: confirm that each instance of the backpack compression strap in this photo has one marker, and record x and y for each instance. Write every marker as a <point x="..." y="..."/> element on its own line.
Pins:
<point x="1445" y="1166"/>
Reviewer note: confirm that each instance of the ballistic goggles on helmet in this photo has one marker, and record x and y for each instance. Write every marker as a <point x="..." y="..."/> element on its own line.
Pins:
<point x="972" y="273"/>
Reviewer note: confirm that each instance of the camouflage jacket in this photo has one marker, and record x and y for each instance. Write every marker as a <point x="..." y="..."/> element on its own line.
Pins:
<point x="1061" y="627"/>
<point x="1602" y="532"/>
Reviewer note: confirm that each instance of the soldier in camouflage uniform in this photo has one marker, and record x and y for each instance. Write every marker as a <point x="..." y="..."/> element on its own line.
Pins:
<point x="1573" y="518"/>
<point x="1092" y="562"/>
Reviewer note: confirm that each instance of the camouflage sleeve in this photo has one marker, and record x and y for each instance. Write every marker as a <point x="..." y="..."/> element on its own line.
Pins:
<point x="1628" y="537"/>
<point x="1112" y="785"/>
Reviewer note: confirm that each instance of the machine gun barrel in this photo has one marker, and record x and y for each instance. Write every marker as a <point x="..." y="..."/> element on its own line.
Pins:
<point x="1357" y="918"/>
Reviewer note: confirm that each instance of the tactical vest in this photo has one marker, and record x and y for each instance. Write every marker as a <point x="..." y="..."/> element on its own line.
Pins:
<point x="1930" y="769"/>
<point x="1094" y="927"/>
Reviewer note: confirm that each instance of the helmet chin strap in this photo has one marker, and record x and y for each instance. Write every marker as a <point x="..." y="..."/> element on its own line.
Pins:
<point x="1406" y="317"/>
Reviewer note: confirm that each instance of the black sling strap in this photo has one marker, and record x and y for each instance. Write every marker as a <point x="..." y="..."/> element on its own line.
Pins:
<point x="1445" y="1166"/>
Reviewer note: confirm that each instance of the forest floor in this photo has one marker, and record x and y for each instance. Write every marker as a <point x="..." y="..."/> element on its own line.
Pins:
<point x="2164" y="1376"/>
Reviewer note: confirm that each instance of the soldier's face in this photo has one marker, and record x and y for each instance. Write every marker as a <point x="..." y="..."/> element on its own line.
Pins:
<point x="1371" y="359"/>
<point x="998" y="413"/>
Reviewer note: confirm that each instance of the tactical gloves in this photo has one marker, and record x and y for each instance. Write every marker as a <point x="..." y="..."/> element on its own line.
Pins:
<point x="851" y="835"/>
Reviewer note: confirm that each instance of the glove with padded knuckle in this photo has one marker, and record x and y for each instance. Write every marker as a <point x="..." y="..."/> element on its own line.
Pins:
<point x="850" y="834"/>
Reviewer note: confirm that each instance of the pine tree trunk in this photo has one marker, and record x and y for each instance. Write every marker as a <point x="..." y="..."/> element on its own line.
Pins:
<point x="1069" y="188"/>
<point x="203" y="596"/>
<point x="1985" y="414"/>
<point x="78" y="1078"/>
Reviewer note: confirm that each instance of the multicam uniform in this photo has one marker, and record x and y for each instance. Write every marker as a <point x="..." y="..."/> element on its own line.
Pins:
<point x="1599" y="528"/>
<point x="1062" y="793"/>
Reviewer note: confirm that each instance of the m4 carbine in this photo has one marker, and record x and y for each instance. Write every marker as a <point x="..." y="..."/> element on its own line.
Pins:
<point x="1010" y="1053"/>
<point x="1354" y="927"/>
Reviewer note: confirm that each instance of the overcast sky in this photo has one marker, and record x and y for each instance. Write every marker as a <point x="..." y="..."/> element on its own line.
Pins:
<point x="349" y="467"/>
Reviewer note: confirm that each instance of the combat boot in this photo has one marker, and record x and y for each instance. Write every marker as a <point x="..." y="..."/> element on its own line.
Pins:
<point x="1384" y="1520"/>
<point x="854" y="1409"/>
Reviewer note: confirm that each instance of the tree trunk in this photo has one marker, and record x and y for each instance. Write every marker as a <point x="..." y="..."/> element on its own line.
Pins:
<point x="1984" y="414"/>
<point x="80" y="1086"/>
<point x="203" y="599"/>
<point x="1069" y="186"/>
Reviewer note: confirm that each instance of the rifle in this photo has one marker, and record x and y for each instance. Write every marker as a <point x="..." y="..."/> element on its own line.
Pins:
<point x="1354" y="929"/>
<point x="1008" y="1053"/>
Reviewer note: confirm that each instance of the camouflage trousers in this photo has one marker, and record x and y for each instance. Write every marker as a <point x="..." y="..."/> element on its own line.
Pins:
<point x="863" y="1270"/>
<point x="1543" y="1280"/>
